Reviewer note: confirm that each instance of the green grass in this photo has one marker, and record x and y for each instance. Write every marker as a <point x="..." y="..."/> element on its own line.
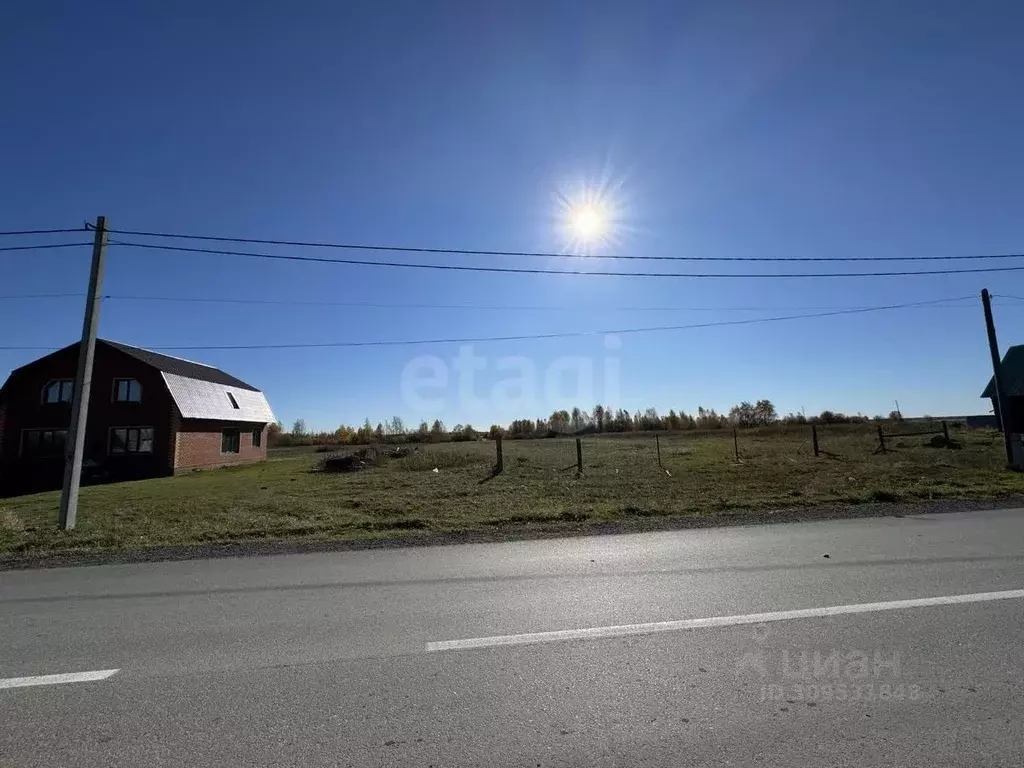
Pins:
<point x="283" y="499"/>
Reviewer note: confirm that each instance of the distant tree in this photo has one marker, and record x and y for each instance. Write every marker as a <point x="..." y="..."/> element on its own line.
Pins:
<point x="794" y="418"/>
<point x="364" y="434"/>
<point x="742" y="415"/>
<point x="672" y="420"/>
<point x="647" y="420"/>
<point x="623" y="422"/>
<point x="437" y="430"/>
<point x="521" y="428"/>
<point x="396" y="426"/>
<point x="494" y="431"/>
<point x="559" y="420"/>
<point x="764" y="412"/>
<point x="463" y="433"/>
<point x="708" y="418"/>
<point x="299" y="428"/>
<point x="577" y="419"/>
<point x="895" y="416"/>
<point x="378" y="433"/>
<point x="423" y="430"/>
<point x="599" y="417"/>
<point x="274" y="433"/>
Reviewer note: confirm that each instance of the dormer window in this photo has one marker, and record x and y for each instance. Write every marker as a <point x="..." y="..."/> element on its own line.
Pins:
<point x="59" y="391"/>
<point x="127" y="391"/>
<point x="234" y="403"/>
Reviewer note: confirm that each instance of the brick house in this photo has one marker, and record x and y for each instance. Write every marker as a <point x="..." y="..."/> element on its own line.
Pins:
<point x="150" y="415"/>
<point x="1012" y="375"/>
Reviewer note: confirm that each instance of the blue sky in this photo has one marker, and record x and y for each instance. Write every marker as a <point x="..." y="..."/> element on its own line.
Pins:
<point x="720" y="128"/>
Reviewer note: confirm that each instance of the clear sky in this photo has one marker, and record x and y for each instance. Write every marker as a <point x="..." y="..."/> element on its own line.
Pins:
<point x="715" y="128"/>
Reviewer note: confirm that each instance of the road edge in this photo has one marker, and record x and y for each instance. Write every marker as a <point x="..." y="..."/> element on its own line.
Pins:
<point x="555" y="529"/>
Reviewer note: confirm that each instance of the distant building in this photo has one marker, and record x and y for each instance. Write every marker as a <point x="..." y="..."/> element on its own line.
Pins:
<point x="149" y="415"/>
<point x="1012" y="374"/>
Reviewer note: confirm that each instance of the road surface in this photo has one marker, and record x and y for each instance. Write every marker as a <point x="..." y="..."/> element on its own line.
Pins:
<point x="720" y="646"/>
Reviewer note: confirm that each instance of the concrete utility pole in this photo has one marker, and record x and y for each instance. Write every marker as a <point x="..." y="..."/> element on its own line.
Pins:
<point x="74" y="446"/>
<point x="1002" y="404"/>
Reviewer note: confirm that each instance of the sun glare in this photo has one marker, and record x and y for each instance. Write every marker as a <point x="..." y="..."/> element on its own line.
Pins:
<point x="591" y="215"/>
<point x="587" y="222"/>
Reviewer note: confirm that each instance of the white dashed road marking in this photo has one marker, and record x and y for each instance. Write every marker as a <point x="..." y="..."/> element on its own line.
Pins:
<point x="717" y="621"/>
<point x="68" y="677"/>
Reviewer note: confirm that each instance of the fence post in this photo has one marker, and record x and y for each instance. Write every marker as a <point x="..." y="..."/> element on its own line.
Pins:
<point x="736" y="444"/>
<point x="657" y="444"/>
<point x="814" y="438"/>
<point x="579" y="456"/>
<point x="881" y="440"/>
<point x="945" y="431"/>
<point x="500" y="466"/>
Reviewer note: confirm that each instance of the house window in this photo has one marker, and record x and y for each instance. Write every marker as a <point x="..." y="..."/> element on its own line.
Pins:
<point x="59" y="391"/>
<point x="229" y="441"/>
<point x="127" y="391"/>
<point x="234" y="403"/>
<point x="257" y="437"/>
<point x="43" y="443"/>
<point x="131" y="440"/>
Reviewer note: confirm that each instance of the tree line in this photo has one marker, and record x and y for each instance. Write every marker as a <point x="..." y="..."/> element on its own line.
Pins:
<point x="578" y="421"/>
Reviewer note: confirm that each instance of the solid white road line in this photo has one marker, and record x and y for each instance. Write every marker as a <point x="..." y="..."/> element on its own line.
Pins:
<point x="68" y="677"/>
<point x="717" y="621"/>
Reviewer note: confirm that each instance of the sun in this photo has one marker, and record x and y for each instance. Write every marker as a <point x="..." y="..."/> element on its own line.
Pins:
<point x="587" y="222"/>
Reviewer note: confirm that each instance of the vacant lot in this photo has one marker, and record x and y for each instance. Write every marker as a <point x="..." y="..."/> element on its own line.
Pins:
<point x="284" y="499"/>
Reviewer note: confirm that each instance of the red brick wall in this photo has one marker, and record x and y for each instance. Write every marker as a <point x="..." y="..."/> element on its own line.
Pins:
<point x="198" y="444"/>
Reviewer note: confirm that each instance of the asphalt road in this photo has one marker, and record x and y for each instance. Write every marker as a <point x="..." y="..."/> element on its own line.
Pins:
<point x="346" y="658"/>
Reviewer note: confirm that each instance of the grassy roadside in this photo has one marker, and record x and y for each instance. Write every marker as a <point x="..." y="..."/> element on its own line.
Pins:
<point x="539" y="490"/>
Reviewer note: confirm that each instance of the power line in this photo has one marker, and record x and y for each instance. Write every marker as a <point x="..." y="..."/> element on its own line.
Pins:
<point x="41" y="296"/>
<point x="41" y="247"/>
<point x="937" y="304"/>
<point x="477" y="307"/>
<point x="15" y="232"/>
<point x="539" y="271"/>
<point x="526" y="337"/>
<point x="544" y="255"/>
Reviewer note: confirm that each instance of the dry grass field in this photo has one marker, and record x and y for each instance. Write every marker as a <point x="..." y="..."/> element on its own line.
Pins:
<point x="283" y="499"/>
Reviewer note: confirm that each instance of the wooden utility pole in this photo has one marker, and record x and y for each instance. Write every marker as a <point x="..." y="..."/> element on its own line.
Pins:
<point x="1002" y="404"/>
<point x="74" y="446"/>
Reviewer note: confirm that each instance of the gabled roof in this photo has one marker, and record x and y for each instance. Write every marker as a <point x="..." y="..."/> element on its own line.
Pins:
<point x="1012" y="370"/>
<point x="179" y="366"/>
<point x="198" y="399"/>
<point x="199" y="391"/>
